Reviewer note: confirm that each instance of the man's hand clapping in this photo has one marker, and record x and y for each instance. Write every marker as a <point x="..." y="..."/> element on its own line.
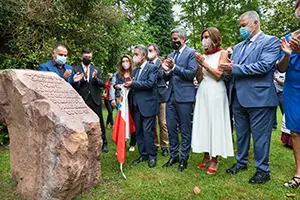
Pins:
<point x="67" y="74"/>
<point x="78" y="77"/>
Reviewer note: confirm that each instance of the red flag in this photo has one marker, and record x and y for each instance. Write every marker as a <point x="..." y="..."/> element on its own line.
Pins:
<point x="123" y="126"/>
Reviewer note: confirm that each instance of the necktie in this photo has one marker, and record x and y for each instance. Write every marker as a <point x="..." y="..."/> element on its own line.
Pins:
<point x="246" y="45"/>
<point x="176" y="55"/>
<point x="151" y="62"/>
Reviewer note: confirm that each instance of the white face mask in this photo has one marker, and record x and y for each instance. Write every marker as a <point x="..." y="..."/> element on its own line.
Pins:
<point x="151" y="56"/>
<point x="137" y="60"/>
<point x="125" y="65"/>
<point x="297" y="13"/>
<point x="206" y="43"/>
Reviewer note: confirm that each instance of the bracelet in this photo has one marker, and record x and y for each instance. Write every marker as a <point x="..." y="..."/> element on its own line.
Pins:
<point x="208" y="68"/>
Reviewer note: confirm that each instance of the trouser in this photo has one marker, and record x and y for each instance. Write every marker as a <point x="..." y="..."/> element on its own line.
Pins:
<point x="109" y="119"/>
<point x="98" y="110"/>
<point x="257" y="121"/>
<point x="163" y="136"/>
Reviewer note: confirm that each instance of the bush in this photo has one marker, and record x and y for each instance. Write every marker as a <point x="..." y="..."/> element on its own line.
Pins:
<point x="4" y="138"/>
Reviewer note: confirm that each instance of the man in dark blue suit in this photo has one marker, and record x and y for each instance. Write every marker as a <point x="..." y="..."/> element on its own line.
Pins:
<point x="58" y="64"/>
<point x="145" y="104"/>
<point x="252" y="94"/>
<point x="162" y="89"/>
<point x="180" y="69"/>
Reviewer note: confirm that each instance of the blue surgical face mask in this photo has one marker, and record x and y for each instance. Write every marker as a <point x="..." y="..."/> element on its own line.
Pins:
<point x="61" y="60"/>
<point x="245" y="33"/>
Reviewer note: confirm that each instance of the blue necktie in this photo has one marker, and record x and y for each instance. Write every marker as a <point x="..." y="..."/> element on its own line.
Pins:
<point x="246" y="45"/>
<point x="176" y="55"/>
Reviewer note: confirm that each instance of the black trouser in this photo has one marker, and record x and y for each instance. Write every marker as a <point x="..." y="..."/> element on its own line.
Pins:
<point x="98" y="110"/>
<point x="132" y="140"/>
<point x="280" y="99"/>
<point x="109" y="108"/>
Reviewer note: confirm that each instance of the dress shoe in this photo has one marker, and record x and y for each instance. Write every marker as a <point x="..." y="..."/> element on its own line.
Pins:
<point x="139" y="160"/>
<point x="171" y="161"/>
<point x="165" y="152"/>
<point x="235" y="169"/>
<point x="259" y="177"/>
<point x="182" y="165"/>
<point x="104" y="148"/>
<point x="151" y="163"/>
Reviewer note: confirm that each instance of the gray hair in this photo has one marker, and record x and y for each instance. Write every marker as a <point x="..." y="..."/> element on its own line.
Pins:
<point x="251" y="15"/>
<point x="142" y="49"/>
<point x="181" y="32"/>
<point x="155" y="47"/>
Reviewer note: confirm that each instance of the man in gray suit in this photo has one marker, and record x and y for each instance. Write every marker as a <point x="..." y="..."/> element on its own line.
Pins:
<point x="252" y="94"/>
<point x="180" y="69"/>
<point x="161" y="94"/>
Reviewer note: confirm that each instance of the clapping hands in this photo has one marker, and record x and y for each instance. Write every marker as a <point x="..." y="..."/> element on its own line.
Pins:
<point x="67" y="74"/>
<point x="167" y="64"/>
<point x="77" y="77"/>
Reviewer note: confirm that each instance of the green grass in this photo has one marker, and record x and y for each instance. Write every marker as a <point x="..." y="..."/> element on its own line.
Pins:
<point x="162" y="183"/>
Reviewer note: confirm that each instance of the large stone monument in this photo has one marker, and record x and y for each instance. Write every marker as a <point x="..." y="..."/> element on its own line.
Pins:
<point x="55" y="138"/>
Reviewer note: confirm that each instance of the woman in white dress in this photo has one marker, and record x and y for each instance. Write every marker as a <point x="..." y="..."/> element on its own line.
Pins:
<point x="211" y="132"/>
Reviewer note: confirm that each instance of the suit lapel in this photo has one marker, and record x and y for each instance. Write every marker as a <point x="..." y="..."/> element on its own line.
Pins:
<point x="145" y="69"/>
<point x="252" y="47"/>
<point x="157" y="62"/>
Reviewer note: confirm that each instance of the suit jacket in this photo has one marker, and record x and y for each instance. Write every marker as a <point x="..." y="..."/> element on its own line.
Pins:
<point x="162" y="88"/>
<point x="50" y="67"/>
<point x="145" y="90"/>
<point x="182" y="76"/>
<point x="84" y="88"/>
<point x="253" y="76"/>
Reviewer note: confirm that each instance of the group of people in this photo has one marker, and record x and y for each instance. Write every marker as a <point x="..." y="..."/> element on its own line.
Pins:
<point x="165" y="88"/>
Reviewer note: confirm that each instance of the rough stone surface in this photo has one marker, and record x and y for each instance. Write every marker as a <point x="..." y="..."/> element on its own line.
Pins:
<point x="55" y="139"/>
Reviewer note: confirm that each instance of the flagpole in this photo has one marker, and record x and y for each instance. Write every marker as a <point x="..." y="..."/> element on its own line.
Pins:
<point x="121" y="168"/>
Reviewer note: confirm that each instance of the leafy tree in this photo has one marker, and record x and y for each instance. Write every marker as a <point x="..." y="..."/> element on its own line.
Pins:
<point x="279" y="17"/>
<point x="222" y="14"/>
<point x="161" y="21"/>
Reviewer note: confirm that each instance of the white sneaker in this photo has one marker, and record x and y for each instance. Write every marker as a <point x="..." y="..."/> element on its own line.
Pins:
<point x="131" y="148"/>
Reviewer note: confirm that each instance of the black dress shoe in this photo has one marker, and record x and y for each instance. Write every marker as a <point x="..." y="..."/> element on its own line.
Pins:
<point x="235" y="169"/>
<point x="104" y="148"/>
<point x="139" y="160"/>
<point x="151" y="163"/>
<point x="259" y="177"/>
<point x="171" y="161"/>
<point x="165" y="152"/>
<point x="182" y="165"/>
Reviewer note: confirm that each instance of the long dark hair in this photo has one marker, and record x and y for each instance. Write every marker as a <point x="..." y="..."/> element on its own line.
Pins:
<point x="121" y="70"/>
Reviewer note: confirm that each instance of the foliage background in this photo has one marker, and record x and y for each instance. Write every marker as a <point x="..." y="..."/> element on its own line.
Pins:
<point x="30" y="28"/>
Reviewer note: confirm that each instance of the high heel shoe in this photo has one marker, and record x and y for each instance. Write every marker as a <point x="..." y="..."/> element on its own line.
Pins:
<point x="204" y="165"/>
<point x="211" y="170"/>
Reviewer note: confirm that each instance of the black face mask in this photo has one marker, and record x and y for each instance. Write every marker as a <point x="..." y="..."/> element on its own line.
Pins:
<point x="86" y="61"/>
<point x="176" y="45"/>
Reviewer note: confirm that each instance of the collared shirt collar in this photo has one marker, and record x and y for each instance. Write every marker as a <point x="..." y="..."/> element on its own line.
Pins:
<point x="181" y="50"/>
<point x="85" y="67"/>
<point x="143" y="65"/>
<point x="255" y="36"/>
<point x="56" y="65"/>
<point x="154" y="61"/>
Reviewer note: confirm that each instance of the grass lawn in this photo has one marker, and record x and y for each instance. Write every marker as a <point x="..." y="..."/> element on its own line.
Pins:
<point x="168" y="183"/>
